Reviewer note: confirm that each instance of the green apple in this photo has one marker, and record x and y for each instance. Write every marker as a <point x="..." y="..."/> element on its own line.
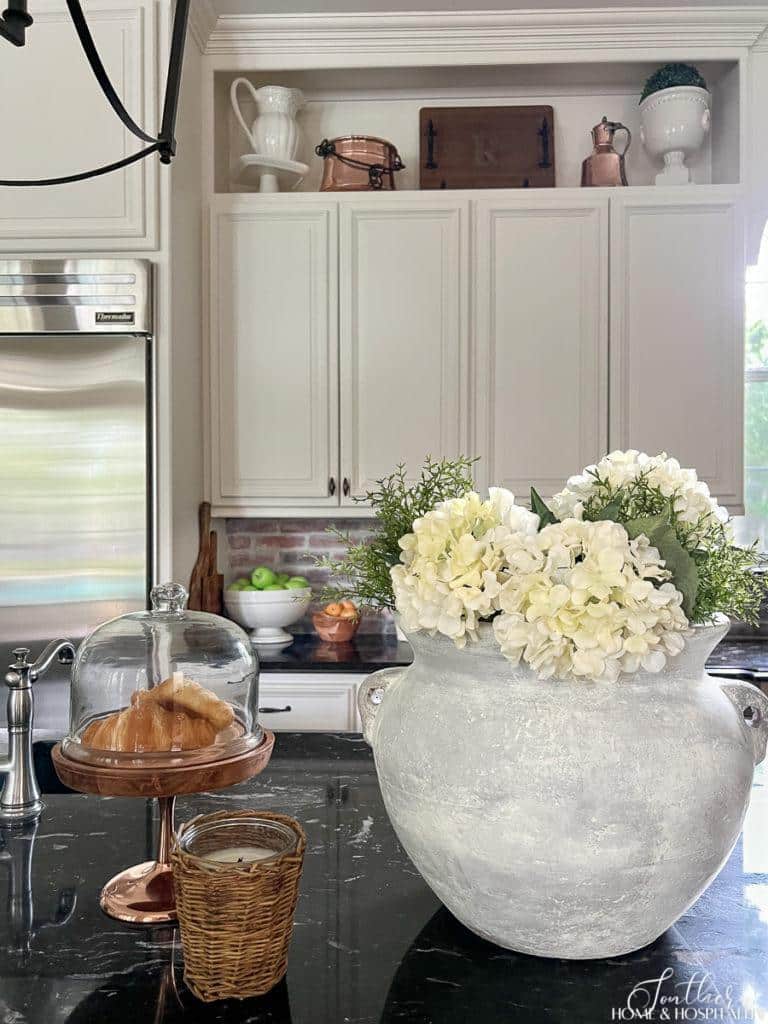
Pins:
<point x="235" y="586"/>
<point x="262" y="577"/>
<point x="297" y="583"/>
<point x="283" y="577"/>
<point x="275" y="586"/>
<point x="243" y="581"/>
<point x="249" y="586"/>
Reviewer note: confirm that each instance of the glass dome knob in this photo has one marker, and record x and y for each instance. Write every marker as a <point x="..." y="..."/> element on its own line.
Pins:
<point x="169" y="597"/>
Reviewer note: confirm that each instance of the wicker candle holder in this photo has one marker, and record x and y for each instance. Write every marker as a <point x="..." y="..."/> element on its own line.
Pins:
<point x="236" y="878"/>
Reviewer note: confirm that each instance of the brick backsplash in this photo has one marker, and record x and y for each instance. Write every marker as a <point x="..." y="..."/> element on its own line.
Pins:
<point x="288" y="545"/>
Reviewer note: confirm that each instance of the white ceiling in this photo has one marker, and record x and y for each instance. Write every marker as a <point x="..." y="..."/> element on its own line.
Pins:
<point x="380" y="6"/>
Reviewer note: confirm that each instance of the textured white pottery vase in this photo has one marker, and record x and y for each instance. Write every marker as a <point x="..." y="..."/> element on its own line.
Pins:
<point x="274" y="132"/>
<point x="674" y="123"/>
<point x="564" y="819"/>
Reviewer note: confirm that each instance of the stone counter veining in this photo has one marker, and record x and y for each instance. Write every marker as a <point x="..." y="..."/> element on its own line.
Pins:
<point x="371" y="942"/>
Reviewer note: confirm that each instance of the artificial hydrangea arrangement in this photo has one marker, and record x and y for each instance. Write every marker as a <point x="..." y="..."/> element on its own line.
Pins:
<point x="674" y="509"/>
<point x="606" y="580"/>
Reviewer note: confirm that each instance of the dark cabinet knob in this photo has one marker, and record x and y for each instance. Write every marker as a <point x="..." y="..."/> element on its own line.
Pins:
<point x="332" y="486"/>
<point x="345" y="487"/>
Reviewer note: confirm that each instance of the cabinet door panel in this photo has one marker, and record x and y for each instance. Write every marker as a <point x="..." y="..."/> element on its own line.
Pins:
<point x="319" y="702"/>
<point x="60" y="123"/>
<point x="403" y="335"/>
<point x="677" y="334"/>
<point x="540" y="340"/>
<point x="273" y="353"/>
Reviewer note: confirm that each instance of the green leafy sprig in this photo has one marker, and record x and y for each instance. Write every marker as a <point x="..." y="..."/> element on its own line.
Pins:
<point x="363" y="572"/>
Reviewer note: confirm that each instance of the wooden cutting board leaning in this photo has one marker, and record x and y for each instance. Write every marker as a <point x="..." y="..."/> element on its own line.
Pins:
<point x="487" y="147"/>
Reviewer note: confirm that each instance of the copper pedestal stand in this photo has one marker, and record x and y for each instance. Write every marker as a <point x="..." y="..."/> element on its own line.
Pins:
<point x="143" y="894"/>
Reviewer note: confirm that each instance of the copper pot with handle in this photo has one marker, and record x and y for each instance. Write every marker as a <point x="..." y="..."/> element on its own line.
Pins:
<point x="358" y="163"/>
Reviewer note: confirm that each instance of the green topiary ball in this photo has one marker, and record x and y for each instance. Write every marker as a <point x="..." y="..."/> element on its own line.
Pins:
<point x="672" y="75"/>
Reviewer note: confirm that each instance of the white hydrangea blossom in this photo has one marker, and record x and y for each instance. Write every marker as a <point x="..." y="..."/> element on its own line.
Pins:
<point x="690" y="496"/>
<point x="451" y="574"/>
<point x="584" y="600"/>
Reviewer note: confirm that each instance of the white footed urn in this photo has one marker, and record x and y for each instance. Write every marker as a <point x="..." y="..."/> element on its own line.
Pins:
<point x="674" y="124"/>
<point x="564" y="818"/>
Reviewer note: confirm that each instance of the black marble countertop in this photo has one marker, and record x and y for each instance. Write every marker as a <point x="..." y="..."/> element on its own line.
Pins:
<point x="740" y="653"/>
<point x="366" y="652"/>
<point x="371" y="945"/>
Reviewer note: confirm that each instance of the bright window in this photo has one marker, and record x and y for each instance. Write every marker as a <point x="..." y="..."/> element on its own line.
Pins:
<point x="755" y="523"/>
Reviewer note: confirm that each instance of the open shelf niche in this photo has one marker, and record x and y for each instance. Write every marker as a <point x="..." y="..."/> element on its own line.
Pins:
<point x="386" y="102"/>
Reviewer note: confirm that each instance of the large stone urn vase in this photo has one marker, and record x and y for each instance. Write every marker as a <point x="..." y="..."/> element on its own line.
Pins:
<point x="564" y="818"/>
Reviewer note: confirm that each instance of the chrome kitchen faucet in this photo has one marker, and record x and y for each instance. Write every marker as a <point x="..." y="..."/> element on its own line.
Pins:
<point x="20" y="800"/>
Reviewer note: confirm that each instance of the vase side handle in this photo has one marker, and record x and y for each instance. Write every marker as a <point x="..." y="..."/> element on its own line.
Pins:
<point x="236" y="107"/>
<point x="752" y="704"/>
<point x="370" y="694"/>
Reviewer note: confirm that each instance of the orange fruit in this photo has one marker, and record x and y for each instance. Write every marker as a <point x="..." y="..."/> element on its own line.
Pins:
<point x="333" y="609"/>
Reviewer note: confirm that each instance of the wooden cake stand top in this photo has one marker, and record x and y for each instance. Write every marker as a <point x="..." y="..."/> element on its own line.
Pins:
<point x="163" y="782"/>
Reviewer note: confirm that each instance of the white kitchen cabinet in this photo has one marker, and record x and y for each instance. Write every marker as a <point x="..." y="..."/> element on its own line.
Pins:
<point x="677" y="334"/>
<point x="540" y="338"/>
<point x="56" y="121"/>
<point x="273" y="354"/>
<point x="403" y="335"/>
<point x="480" y="324"/>
<point x="319" y="701"/>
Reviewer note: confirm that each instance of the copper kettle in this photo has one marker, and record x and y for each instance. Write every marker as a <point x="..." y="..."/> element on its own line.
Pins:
<point x="604" y="166"/>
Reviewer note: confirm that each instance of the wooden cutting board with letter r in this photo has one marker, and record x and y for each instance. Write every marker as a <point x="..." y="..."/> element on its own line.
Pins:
<point x="487" y="147"/>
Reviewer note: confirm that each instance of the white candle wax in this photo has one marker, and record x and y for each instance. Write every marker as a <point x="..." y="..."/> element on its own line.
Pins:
<point x="240" y="854"/>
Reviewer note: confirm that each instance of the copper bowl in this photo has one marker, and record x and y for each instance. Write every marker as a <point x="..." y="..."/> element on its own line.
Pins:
<point x="333" y="629"/>
<point x="358" y="163"/>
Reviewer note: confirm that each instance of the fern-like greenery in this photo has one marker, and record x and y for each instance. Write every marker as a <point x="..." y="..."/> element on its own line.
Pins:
<point x="672" y="75"/>
<point x="362" y="574"/>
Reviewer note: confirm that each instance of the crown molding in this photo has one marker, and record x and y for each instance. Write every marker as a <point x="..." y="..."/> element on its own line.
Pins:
<point x="761" y="44"/>
<point x="202" y="22"/>
<point x="401" y="38"/>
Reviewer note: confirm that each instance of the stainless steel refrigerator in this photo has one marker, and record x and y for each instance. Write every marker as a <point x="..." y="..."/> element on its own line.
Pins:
<point x="76" y="452"/>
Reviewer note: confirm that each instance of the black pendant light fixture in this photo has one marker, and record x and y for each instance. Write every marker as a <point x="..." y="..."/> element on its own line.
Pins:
<point x="14" y="23"/>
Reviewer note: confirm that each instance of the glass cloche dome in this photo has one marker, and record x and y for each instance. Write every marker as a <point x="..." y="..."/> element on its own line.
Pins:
<point x="163" y="688"/>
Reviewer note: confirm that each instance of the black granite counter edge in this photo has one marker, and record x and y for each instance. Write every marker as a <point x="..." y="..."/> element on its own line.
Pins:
<point x="740" y="653"/>
<point x="371" y="652"/>
<point x="365" y="653"/>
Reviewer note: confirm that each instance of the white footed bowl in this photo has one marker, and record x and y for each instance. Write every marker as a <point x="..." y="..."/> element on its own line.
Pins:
<point x="674" y="124"/>
<point x="266" y="612"/>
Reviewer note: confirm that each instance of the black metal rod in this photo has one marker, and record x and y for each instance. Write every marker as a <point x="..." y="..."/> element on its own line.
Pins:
<point x="173" y="83"/>
<point x="15" y="21"/>
<point x="82" y="175"/>
<point x="92" y="54"/>
<point x="12" y="25"/>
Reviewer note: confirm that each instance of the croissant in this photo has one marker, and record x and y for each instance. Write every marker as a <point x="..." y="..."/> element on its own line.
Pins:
<point x="146" y="726"/>
<point x="179" y="694"/>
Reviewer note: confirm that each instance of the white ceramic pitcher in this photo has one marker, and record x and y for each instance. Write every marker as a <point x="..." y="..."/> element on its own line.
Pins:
<point x="274" y="132"/>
